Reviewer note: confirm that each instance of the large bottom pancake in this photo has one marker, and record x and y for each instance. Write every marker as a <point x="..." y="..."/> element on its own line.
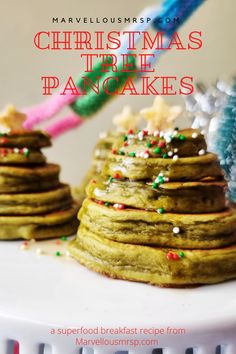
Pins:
<point x="43" y="226"/>
<point x="138" y="226"/>
<point x="178" y="197"/>
<point x="35" y="203"/>
<point x="151" y="265"/>
<point x="28" y="179"/>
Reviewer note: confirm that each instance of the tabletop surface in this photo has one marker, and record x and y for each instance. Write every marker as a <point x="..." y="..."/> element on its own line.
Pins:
<point x="57" y="290"/>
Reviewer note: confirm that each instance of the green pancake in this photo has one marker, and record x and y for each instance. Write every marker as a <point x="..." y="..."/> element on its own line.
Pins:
<point x="36" y="203"/>
<point x="137" y="226"/>
<point x="28" y="139"/>
<point x="55" y="224"/>
<point x="32" y="157"/>
<point x="151" y="264"/>
<point x="28" y="179"/>
<point x="179" y="197"/>
<point x="183" y="144"/>
<point x="184" y="169"/>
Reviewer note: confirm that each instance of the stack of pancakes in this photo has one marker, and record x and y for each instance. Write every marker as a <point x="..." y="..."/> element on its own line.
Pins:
<point x="158" y="213"/>
<point x="33" y="202"/>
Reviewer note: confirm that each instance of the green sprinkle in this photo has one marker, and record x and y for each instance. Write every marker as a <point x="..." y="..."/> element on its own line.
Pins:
<point x="125" y="138"/>
<point x="161" y="179"/>
<point x="149" y="145"/>
<point x="120" y="152"/>
<point x="26" y="151"/>
<point x="181" y="254"/>
<point x="64" y="238"/>
<point x="157" y="150"/>
<point x="132" y="154"/>
<point x="155" y="185"/>
<point x="107" y="204"/>
<point x="182" y="137"/>
<point x="58" y="253"/>
<point x="111" y="179"/>
<point x="160" y="211"/>
<point x="165" y="156"/>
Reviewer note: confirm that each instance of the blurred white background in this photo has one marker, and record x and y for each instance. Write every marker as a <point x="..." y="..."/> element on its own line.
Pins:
<point x="21" y="65"/>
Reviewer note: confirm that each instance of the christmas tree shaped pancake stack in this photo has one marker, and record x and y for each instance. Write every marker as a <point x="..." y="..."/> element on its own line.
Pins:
<point x="33" y="202"/>
<point x="158" y="213"/>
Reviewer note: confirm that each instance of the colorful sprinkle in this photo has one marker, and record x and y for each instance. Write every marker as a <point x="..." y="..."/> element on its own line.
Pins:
<point x="170" y="153"/>
<point x="131" y="132"/>
<point x="149" y="144"/>
<point x="107" y="204"/>
<point x="120" y="152"/>
<point x="175" y="157"/>
<point x="156" y="133"/>
<point x="172" y="256"/>
<point x="201" y="152"/>
<point x="165" y="156"/>
<point x="176" y="230"/>
<point x="57" y="253"/>
<point x="157" y="150"/>
<point x="111" y="179"/>
<point x="140" y="136"/>
<point x="182" y="137"/>
<point x="160" y="211"/>
<point x="100" y="202"/>
<point x="64" y="238"/>
<point x="125" y="138"/>
<point x="114" y="151"/>
<point x="168" y="139"/>
<point x="39" y="251"/>
<point x="4" y="140"/>
<point x="24" y="247"/>
<point x="155" y="185"/>
<point x="181" y="254"/>
<point x="161" y="144"/>
<point x="132" y="154"/>
<point x="117" y="175"/>
<point x="194" y="135"/>
<point x="119" y="206"/>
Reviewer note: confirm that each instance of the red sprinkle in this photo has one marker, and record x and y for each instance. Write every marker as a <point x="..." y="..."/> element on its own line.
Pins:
<point x="4" y="140"/>
<point x="145" y="132"/>
<point x="116" y="175"/>
<point x="161" y="144"/>
<point x="3" y="152"/>
<point x="131" y="131"/>
<point x="153" y="142"/>
<point x="114" y="151"/>
<point x="120" y="206"/>
<point x="100" y="202"/>
<point x="172" y="256"/>
<point x="125" y="143"/>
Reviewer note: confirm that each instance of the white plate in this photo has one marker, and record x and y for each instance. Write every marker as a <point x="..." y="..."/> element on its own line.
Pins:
<point x="50" y="289"/>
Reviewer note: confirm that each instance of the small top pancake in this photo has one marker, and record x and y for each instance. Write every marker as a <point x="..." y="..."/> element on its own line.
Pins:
<point x="25" y="139"/>
<point x="184" y="143"/>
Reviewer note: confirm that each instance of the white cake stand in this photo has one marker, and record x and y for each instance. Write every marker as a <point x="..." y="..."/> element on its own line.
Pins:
<point x="39" y="293"/>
